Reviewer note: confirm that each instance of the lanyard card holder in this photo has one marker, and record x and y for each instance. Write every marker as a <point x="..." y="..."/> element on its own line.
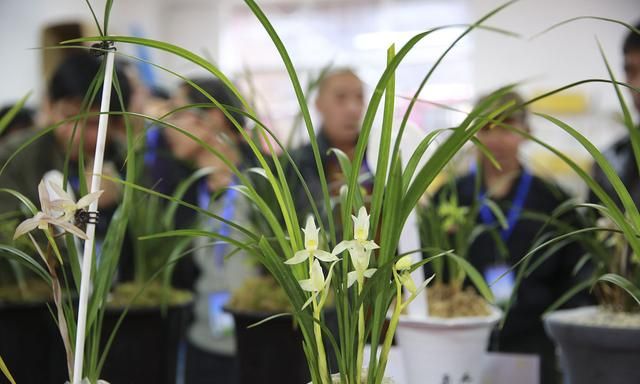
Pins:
<point x="501" y="281"/>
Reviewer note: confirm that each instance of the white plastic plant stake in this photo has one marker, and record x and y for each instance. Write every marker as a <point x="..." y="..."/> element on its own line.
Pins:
<point x="85" y="286"/>
<point x="410" y="241"/>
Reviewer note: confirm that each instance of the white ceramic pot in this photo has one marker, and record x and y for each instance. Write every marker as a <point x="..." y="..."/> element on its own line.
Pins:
<point x="438" y="350"/>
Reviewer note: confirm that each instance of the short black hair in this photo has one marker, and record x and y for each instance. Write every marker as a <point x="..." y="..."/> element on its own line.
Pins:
<point x="219" y="91"/>
<point x="23" y="119"/>
<point x="632" y="41"/>
<point x="73" y="76"/>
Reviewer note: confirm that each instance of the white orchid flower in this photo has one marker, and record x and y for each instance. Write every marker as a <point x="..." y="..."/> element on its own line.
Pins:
<point x="316" y="282"/>
<point x="59" y="212"/>
<point x="311" y="246"/>
<point x="360" y="235"/>
<point x="66" y="205"/>
<point x="46" y="217"/>
<point x="42" y="221"/>
<point x="359" y="249"/>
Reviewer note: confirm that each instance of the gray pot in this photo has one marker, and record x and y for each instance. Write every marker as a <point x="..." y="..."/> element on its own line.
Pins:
<point x="594" y="354"/>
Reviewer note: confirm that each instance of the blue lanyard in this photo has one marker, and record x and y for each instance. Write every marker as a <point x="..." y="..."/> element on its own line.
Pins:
<point x="516" y="208"/>
<point x="228" y="208"/>
<point x="152" y="144"/>
<point x="74" y="181"/>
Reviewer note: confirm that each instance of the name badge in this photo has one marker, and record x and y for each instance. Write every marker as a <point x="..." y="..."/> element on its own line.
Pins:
<point x="220" y="322"/>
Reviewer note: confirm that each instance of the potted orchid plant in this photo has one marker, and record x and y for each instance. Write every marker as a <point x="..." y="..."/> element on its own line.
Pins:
<point x="364" y="276"/>
<point x="63" y="228"/>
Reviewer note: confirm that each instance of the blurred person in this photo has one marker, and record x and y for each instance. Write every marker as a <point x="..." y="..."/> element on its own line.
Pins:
<point x="70" y="82"/>
<point x="516" y="190"/>
<point x="340" y="103"/>
<point x="23" y="119"/>
<point x="620" y="154"/>
<point x="210" y="352"/>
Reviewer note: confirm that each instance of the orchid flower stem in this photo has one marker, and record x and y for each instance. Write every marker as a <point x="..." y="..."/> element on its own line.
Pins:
<point x="317" y="332"/>
<point x="360" y="337"/>
<point x="322" y="355"/>
<point x="393" y="324"/>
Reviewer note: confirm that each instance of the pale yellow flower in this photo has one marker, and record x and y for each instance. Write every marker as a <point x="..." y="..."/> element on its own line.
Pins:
<point x="359" y="249"/>
<point x="316" y="282"/>
<point x="311" y="246"/>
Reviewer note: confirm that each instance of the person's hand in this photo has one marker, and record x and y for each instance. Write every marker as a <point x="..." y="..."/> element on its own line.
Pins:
<point x="222" y="174"/>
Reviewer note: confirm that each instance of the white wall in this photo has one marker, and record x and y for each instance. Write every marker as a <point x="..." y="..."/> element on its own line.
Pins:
<point x="172" y="21"/>
<point x="563" y="55"/>
<point x="566" y="54"/>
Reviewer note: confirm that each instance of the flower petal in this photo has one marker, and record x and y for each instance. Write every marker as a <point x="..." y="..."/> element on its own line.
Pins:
<point x="325" y="256"/>
<point x="361" y="225"/>
<point x="88" y="199"/>
<point x="62" y="194"/>
<point x="369" y="272"/>
<point x="69" y="228"/>
<point x="28" y="225"/>
<point x="343" y="246"/>
<point x="311" y="234"/>
<point x="298" y="257"/>
<point x="369" y="245"/>
<point x="306" y="285"/>
<point x="351" y="278"/>
<point x="317" y="276"/>
<point x="45" y="200"/>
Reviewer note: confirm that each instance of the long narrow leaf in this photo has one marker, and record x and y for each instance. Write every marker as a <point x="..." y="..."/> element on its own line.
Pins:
<point x="5" y="371"/>
<point x="623" y="283"/>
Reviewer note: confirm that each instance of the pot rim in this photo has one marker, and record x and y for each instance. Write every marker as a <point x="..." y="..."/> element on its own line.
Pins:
<point x="569" y="316"/>
<point x="452" y="323"/>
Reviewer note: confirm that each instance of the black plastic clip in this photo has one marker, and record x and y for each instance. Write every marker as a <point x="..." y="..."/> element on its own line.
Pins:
<point x="100" y="48"/>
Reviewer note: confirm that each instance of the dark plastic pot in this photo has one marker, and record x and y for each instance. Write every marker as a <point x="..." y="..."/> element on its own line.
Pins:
<point x="593" y="354"/>
<point x="145" y="348"/>
<point x="272" y="352"/>
<point x="30" y="343"/>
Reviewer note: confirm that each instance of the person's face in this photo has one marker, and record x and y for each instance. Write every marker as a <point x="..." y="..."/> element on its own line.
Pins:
<point x="64" y="109"/>
<point x="205" y="124"/>
<point x="341" y="104"/>
<point x="502" y="142"/>
<point x="632" y="72"/>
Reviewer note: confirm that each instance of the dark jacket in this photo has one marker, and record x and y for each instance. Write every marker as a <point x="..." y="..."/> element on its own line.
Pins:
<point x="305" y="161"/>
<point x="621" y="157"/>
